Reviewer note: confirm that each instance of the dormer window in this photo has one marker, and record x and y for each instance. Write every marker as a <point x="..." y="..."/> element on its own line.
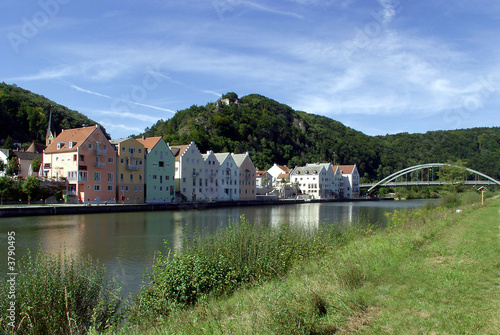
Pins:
<point x="60" y="145"/>
<point x="71" y="144"/>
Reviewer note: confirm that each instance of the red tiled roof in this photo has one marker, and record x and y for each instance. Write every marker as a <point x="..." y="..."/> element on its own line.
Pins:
<point x="149" y="142"/>
<point x="283" y="175"/>
<point x="345" y="169"/>
<point x="261" y="173"/>
<point x="284" y="168"/>
<point x="178" y="150"/>
<point x="77" y="136"/>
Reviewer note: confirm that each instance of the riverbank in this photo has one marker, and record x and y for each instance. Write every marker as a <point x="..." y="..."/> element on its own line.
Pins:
<point x="63" y="209"/>
<point x="431" y="271"/>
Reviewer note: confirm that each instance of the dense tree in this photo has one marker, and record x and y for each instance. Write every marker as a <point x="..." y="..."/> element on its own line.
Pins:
<point x="35" y="165"/>
<point x="31" y="187"/>
<point x="25" y="115"/>
<point x="13" y="168"/>
<point x="5" y="186"/>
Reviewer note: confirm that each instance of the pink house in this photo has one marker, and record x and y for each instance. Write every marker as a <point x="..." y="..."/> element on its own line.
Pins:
<point x="86" y="159"/>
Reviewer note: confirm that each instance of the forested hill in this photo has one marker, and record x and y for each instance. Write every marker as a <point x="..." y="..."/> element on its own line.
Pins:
<point x="272" y="133"/>
<point x="275" y="133"/>
<point x="24" y="115"/>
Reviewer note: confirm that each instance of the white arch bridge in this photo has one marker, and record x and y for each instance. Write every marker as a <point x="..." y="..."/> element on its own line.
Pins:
<point x="396" y="179"/>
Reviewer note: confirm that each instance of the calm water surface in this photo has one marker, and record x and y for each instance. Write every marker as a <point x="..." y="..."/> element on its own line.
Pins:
<point x="126" y="242"/>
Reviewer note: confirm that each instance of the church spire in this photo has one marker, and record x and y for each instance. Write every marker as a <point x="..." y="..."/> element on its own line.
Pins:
<point x="51" y="133"/>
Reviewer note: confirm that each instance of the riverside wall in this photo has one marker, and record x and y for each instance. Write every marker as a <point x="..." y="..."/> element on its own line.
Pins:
<point x="63" y="209"/>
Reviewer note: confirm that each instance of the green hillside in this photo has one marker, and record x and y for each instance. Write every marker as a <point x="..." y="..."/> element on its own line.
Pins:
<point x="275" y="133"/>
<point x="272" y="133"/>
<point x="24" y="115"/>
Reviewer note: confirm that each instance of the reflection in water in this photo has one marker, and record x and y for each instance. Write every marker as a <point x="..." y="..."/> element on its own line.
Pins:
<point x="126" y="242"/>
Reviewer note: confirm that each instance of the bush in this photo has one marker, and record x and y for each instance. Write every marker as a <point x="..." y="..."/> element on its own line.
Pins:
<point x="450" y="200"/>
<point x="218" y="264"/>
<point x="61" y="295"/>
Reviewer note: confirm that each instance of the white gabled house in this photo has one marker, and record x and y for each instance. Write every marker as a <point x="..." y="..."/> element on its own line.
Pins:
<point x="228" y="177"/>
<point x="350" y="180"/>
<point x="189" y="166"/>
<point x="316" y="180"/>
<point x="211" y="176"/>
<point x="246" y="176"/>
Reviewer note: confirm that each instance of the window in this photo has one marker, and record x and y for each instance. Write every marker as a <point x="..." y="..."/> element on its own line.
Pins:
<point x="97" y="177"/>
<point x="123" y="149"/>
<point x="140" y="151"/>
<point x="110" y="177"/>
<point x="161" y="179"/>
<point x="110" y="160"/>
<point x="160" y="164"/>
<point x="74" y="158"/>
<point x="131" y="150"/>
<point x="140" y="178"/>
<point x="121" y="161"/>
<point x="121" y="178"/>
<point x="110" y="187"/>
<point x="131" y="178"/>
<point x="90" y="146"/>
<point x="155" y="177"/>
<point x="97" y="187"/>
<point x="126" y="188"/>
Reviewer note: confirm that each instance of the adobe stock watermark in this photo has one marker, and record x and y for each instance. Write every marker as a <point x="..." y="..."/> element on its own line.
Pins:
<point x="222" y="7"/>
<point x="367" y="35"/>
<point x="139" y="93"/>
<point x="470" y="103"/>
<point x="31" y="26"/>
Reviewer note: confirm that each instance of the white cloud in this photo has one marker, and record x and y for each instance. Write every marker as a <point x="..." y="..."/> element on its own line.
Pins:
<point x="90" y="92"/>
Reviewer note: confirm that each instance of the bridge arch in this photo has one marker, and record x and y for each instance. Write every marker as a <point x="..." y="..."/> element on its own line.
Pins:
<point x="402" y="172"/>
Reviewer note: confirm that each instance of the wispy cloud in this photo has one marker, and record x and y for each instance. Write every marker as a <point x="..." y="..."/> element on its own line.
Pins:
<point x="388" y="10"/>
<point x="90" y="92"/>
<point x="263" y="8"/>
<point x="120" y="115"/>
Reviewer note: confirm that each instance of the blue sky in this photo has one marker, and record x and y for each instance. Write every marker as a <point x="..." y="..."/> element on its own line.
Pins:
<point x="378" y="66"/>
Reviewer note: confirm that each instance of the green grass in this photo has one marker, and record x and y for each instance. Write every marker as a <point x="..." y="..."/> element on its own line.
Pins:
<point x="59" y="295"/>
<point x="433" y="271"/>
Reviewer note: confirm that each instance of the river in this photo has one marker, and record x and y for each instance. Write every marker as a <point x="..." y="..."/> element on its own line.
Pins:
<point x="126" y="242"/>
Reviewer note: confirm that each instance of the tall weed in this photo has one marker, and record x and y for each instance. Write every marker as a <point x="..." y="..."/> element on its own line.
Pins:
<point x="219" y="263"/>
<point x="61" y="295"/>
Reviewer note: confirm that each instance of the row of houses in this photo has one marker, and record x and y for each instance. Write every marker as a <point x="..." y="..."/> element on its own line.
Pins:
<point x="317" y="180"/>
<point x="144" y="170"/>
<point x="150" y="170"/>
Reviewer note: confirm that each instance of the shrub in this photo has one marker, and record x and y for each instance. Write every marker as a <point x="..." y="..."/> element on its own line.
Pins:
<point x="218" y="264"/>
<point x="61" y="295"/>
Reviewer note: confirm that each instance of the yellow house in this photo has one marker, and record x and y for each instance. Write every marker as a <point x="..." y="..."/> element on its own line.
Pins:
<point x="130" y="170"/>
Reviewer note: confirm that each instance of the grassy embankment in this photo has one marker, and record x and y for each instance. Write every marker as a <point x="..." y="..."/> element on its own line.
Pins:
<point x="433" y="271"/>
